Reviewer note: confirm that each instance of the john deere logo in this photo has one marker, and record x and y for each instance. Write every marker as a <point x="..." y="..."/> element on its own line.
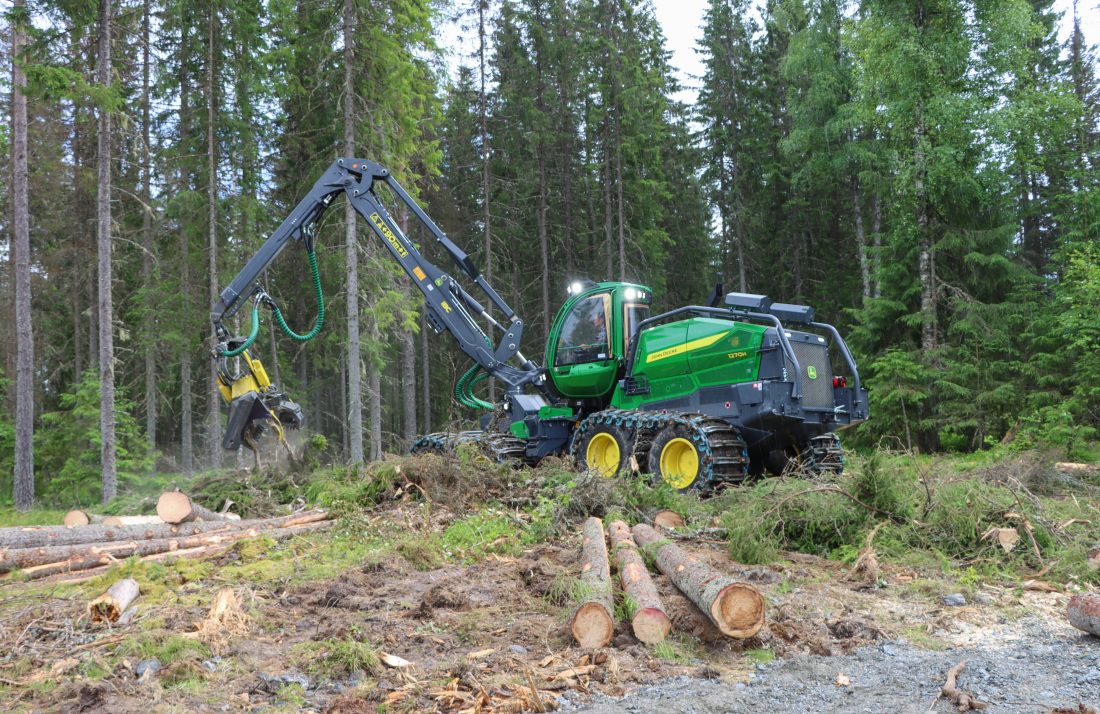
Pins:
<point x="811" y="372"/>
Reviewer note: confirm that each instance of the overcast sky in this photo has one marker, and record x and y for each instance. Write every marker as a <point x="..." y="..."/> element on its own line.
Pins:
<point x="682" y="21"/>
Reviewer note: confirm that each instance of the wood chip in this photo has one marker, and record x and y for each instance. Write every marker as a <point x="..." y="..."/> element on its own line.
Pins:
<point x="481" y="653"/>
<point x="1039" y="586"/>
<point x="394" y="661"/>
<point x="842" y="680"/>
<point x="574" y="672"/>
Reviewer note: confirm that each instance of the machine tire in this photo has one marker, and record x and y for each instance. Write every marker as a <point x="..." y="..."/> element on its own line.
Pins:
<point x="674" y="458"/>
<point x="604" y="444"/>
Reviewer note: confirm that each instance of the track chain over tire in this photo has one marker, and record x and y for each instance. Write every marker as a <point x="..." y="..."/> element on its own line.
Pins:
<point x="823" y="455"/>
<point x="723" y="455"/>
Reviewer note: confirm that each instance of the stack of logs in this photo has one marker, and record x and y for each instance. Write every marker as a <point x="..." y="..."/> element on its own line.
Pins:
<point x="736" y="609"/>
<point x="88" y="544"/>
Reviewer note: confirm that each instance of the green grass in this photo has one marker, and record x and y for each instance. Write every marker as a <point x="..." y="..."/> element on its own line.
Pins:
<point x="35" y="517"/>
<point x="760" y="655"/>
<point x="336" y="658"/>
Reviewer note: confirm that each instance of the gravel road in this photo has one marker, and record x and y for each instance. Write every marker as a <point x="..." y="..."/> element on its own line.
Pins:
<point x="1031" y="665"/>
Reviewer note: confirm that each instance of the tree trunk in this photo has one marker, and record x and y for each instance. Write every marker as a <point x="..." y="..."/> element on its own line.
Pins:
<point x="407" y="385"/>
<point x="735" y="608"/>
<point x="483" y="140"/>
<point x="593" y="624"/>
<point x="1084" y="612"/>
<point x="20" y="537"/>
<point x="374" y="386"/>
<point x="24" y="335"/>
<point x="187" y="441"/>
<point x="213" y="396"/>
<point x="648" y="619"/>
<point x="619" y="195"/>
<point x="876" y="236"/>
<point x="108" y="455"/>
<point x="861" y="238"/>
<point x="354" y="357"/>
<point x="147" y="240"/>
<point x="425" y="376"/>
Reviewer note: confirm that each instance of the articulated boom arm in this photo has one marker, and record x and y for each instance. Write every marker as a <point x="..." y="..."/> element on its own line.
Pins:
<point x="449" y="306"/>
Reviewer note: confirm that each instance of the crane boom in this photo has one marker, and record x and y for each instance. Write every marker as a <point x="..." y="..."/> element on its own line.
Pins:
<point x="449" y="306"/>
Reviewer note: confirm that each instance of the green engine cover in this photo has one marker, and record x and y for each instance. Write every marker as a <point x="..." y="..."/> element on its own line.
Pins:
<point x="679" y="358"/>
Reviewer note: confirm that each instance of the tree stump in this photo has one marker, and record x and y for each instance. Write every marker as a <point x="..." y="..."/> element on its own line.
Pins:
<point x="593" y="624"/>
<point x="737" y="609"/>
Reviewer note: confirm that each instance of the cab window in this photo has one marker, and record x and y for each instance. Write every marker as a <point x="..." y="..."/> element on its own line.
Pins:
<point x="633" y="313"/>
<point x="584" y="336"/>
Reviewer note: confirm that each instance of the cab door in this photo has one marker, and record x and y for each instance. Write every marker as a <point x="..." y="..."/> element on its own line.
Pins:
<point x="584" y="362"/>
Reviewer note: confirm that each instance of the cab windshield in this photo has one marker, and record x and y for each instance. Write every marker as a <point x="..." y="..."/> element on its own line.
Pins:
<point x="584" y="336"/>
<point x="633" y="313"/>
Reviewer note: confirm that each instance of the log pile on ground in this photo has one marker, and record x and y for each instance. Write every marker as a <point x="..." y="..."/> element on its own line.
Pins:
<point x="648" y="620"/>
<point x="737" y="609"/>
<point x="176" y="507"/>
<point x="43" y="551"/>
<point x="593" y="624"/>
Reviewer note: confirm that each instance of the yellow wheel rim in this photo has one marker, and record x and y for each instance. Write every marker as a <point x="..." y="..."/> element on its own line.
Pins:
<point x="603" y="455"/>
<point x="679" y="463"/>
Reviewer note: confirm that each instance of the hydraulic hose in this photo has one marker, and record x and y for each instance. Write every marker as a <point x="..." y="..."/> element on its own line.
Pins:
<point x="463" y="391"/>
<point x="320" y="321"/>
<point x="251" y="335"/>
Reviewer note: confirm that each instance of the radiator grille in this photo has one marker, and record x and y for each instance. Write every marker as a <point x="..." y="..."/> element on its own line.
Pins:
<point x="815" y="392"/>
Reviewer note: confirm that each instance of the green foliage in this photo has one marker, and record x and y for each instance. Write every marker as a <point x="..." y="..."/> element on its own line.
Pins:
<point x="67" y="448"/>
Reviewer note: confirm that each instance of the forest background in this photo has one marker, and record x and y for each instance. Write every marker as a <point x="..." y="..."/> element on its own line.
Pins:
<point x="926" y="173"/>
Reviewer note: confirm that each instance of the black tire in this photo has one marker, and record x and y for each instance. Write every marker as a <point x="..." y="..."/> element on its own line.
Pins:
<point x="601" y="442"/>
<point x="676" y="459"/>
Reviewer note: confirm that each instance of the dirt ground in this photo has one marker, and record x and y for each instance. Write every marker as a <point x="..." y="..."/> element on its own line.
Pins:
<point x="477" y="637"/>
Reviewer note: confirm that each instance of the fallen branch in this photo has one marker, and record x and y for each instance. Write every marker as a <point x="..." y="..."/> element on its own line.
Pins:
<point x="965" y="701"/>
<point x="648" y="619"/>
<point x="737" y="609"/>
<point x="39" y="536"/>
<point x="592" y="623"/>
<point x="109" y="606"/>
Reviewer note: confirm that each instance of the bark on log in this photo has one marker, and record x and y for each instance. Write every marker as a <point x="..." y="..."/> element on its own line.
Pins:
<point x="83" y="518"/>
<point x="131" y="520"/>
<point x="592" y="623"/>
<point x="737" y="609"/>
<point x="109" y="606"/>
<point x="649" y="621"/>
<point x="36" y="536"/>
<point x="107" y="553"/>
<point x="1084" y="612"/>
<point x="668" y="519"/>
<point x="1069" y="467"/>
<point x="177" y="507"/>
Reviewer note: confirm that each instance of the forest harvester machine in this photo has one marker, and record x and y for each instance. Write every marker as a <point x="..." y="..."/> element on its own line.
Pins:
<point x="700" y="396"/>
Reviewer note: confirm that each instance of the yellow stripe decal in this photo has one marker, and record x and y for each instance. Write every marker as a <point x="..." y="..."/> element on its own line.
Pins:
<point x="686" y="347"/>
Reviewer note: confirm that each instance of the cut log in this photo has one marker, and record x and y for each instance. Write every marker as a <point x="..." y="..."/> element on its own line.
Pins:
<point x="1084" y="612"/>
<point x="1069" y="467"/>
<point x="131" y="520"/>
<point x="35" y="536"/>
<point x="737" y="609"/>
<point x="648" y="619"/>
<point x="96" y="555"/>
<point x="109" y="606"/>
<point x="177" y="507"/>
<point x="83" y="518"/>
<point x="668" y="519"/>
<point x="593" y="624"/>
